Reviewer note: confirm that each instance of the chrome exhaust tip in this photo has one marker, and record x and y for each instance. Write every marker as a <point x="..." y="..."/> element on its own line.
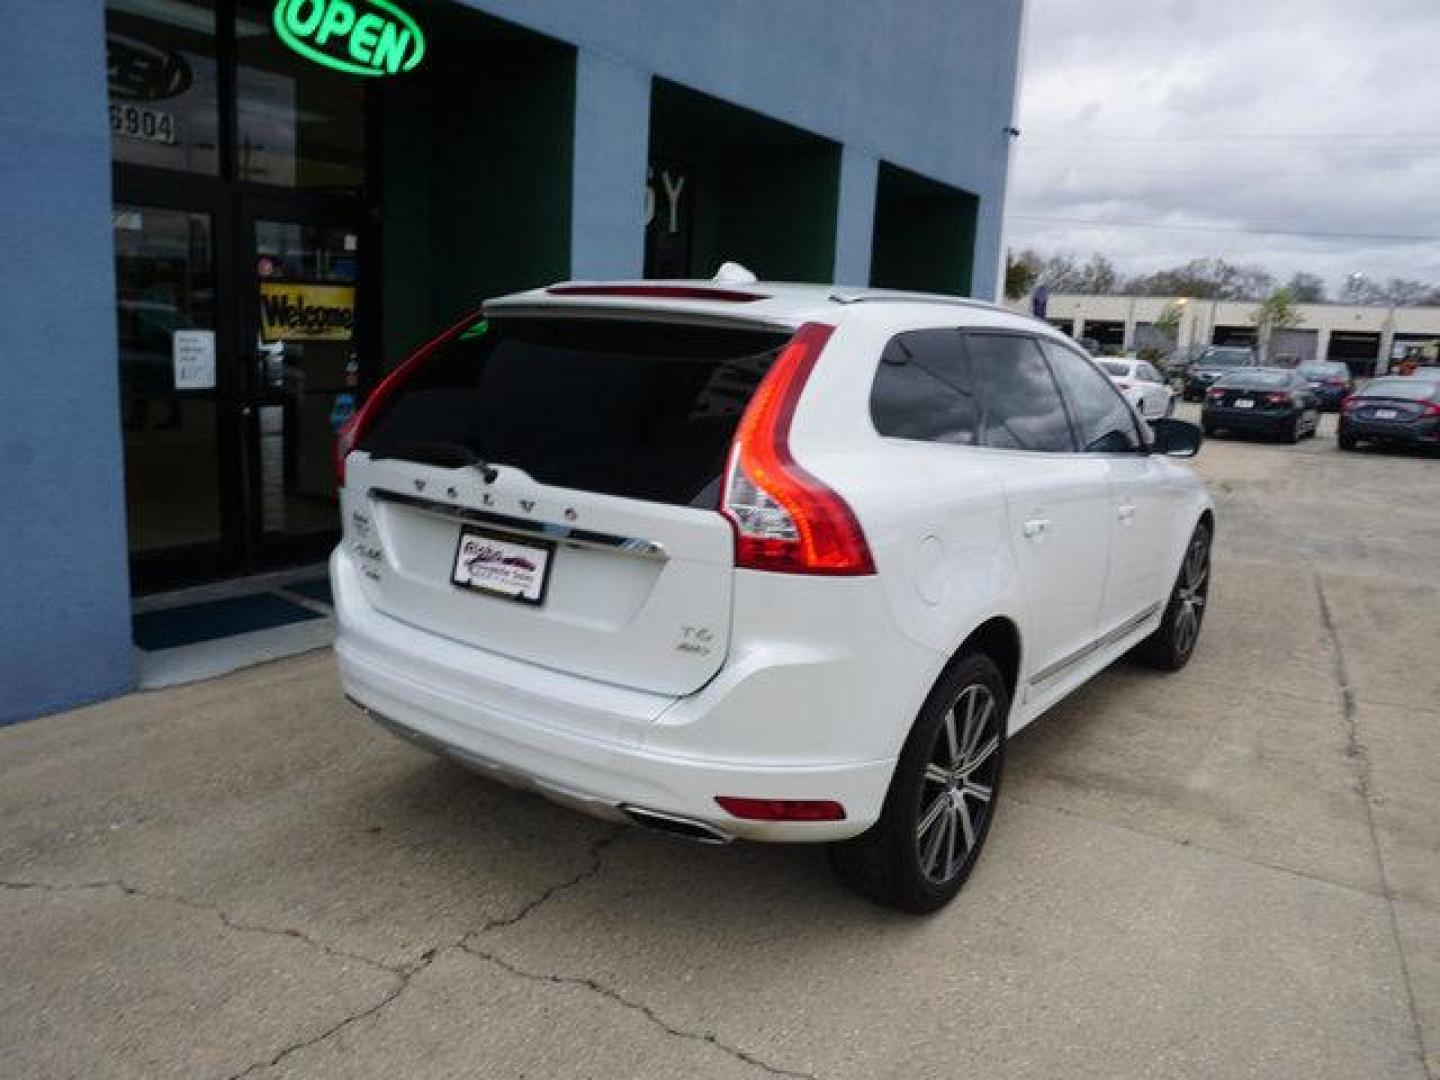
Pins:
<point x="687" y="828"/>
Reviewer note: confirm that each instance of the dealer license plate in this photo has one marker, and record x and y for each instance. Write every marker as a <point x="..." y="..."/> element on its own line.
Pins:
<point x="501" y="566"/>
<point x="1244" y="403"/>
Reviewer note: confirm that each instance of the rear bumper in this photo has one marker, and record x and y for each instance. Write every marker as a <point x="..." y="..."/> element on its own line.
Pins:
<point x="1248" y="419"/>
<point x="775" y="723"/>
<point x="1417" y="432"/>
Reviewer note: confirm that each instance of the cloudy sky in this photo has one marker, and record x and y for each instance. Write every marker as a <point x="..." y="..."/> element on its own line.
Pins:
<point x="1298" y="134"/>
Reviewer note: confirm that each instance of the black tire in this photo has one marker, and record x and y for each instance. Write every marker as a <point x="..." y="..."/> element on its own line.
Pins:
<point x="1209" y="430"/>
<point x="1346" y="440"/>
<point x="1297" y="428"/>
<point x="1172" y="644"/>
<point x="900" y="861"/>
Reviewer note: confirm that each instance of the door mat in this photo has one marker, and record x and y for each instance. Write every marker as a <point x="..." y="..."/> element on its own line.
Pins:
<point x="173" y="627"/>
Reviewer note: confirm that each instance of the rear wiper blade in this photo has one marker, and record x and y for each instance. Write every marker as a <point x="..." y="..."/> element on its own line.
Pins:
<point x="436" y="452"/>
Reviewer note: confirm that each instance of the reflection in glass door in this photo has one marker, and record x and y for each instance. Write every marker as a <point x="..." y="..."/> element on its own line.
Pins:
<point x="166" y="305"/>
<point x="305" y="379"/>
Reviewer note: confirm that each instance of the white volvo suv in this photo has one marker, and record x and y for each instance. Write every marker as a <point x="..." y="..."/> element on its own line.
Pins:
<point x="771" y="562"/>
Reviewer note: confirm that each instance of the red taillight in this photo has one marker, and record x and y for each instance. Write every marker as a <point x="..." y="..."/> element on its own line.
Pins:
<point x="781" y="809"/>
<point x="1431" y="409"/>
<point x="354" y="429"/>
<point x="1215" y="392"/>
<point x="1350" y="403"/>
<point x="1335" y="382"/>
<point x="1279" y="398"/>
<point x="785" y="519"/>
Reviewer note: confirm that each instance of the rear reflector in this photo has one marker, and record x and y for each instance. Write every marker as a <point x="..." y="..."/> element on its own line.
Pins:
<point x="781" y="809"/>
<point x="658" y="292"/>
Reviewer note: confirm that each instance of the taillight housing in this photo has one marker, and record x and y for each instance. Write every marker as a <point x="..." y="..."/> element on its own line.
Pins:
<point x="785" y="520"/>
<point x="1215" y="392"/>
<point x="1350" y="404"/>
<point x="1280" y="397"/>
<point x="355" y="428"/>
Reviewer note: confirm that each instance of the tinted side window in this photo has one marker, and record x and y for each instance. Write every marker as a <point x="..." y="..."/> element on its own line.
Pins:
<point x="922" y="391"/>
<point x="1021" y="407"/>
<point x="1105" y="423"/>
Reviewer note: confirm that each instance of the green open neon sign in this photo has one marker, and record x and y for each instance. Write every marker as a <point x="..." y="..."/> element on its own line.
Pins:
<point x="359" y="37"/>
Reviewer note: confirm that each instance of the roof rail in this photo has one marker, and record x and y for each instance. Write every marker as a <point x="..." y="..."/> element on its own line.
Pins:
<point x="865" y="296"/>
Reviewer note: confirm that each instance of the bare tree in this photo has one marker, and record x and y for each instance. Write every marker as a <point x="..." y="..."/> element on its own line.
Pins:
<point x="1307" y="288"/>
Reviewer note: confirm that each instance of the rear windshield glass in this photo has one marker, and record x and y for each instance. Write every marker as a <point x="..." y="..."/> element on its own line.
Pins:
<point x="1256" y="377"/>
<point x="1224" y="358"/>
<point x="1407" y="388"/>
<point x="1116" y="369"/>
<point x="1317" y="371"/>
<point x="643" y="410"/>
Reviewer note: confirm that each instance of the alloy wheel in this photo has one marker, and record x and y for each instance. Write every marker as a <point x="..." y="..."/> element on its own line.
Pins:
<point x="959" y="784"/>
<point x="1192" y="592"/>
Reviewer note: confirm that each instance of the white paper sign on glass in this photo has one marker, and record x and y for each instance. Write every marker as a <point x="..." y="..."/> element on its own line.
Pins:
<point x="193" y="352"/>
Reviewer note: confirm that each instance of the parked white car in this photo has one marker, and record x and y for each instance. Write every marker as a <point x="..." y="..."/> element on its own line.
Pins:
<point x="1143" y="386"/>
<point x="758" y="561"/>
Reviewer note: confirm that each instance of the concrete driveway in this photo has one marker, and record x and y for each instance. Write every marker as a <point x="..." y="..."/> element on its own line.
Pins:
<point x="1231" y="872"/>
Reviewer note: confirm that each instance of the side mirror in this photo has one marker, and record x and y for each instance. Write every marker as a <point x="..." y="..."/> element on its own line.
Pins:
<point x="1176" y="438"/>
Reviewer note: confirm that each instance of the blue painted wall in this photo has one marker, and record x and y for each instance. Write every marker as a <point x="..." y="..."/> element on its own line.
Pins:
<point x="64" y="593"/>
<point x="924" y="84"/>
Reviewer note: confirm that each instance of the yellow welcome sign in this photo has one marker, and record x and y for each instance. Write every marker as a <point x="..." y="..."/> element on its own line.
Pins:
<point x="306" y="311"/>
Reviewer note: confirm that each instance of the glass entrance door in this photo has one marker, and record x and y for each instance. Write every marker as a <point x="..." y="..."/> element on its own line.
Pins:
<point x="305" y="376"/>
<point x="166" y="306"/>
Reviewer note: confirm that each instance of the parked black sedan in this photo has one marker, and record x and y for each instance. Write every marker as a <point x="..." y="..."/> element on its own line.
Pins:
<point x="1265" y="400"/>
<point x="1330" y="379"/>
<point x="1394" y="409"/>
<point x="1212" y="364"/>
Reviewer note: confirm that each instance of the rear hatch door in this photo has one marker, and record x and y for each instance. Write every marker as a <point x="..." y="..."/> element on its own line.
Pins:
<point x="546" y="487"/>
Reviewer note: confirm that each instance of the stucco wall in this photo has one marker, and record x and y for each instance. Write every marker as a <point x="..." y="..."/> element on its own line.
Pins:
<point x="64" y="593"/>
<point x="925" y="84"/>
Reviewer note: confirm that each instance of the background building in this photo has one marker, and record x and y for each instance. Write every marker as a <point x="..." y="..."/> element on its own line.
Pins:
<point x="1366" y="338"/>
<point x="223" y="221"/>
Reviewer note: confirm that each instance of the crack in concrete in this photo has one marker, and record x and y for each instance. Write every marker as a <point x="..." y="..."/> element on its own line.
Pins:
<point x="405" y="976"/>
<point x="226" y="920"/>
<point x="468" y="944"/>
<point x="610" y="994"/>
<point x="1356" y="751"/>
<point x="407" y="973"/>
<point x="596" y="854"/>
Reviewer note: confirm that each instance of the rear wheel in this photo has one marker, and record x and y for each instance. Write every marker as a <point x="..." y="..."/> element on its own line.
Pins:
<point x="941" y="800"/>
<point x="1346" y="440"/>
<point x="1296" y="429"/>
<point x="1172" y="644"/>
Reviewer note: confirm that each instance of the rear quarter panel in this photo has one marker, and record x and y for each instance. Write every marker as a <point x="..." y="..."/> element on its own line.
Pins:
<point x="933" y="515"/>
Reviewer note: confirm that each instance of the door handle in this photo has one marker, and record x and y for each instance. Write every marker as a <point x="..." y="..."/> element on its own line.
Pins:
<point x="1125" y="512"/>
<point x="1034" y="527"/>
